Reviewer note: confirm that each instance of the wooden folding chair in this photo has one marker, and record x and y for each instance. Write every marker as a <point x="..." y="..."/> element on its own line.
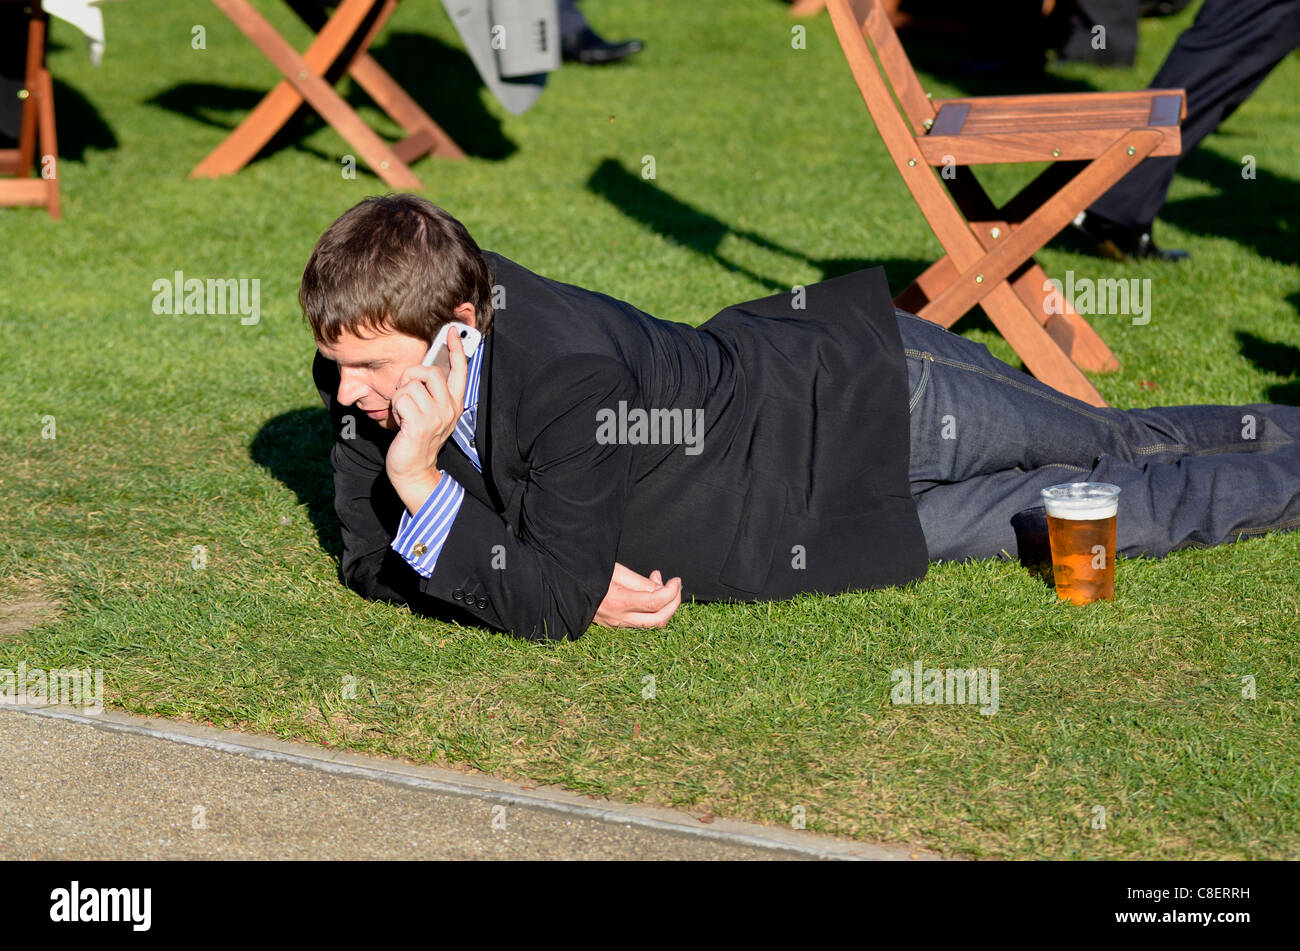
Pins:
<point x="1093" y="139"/>
<point x="341" y="44"/>
<point x="36" y="91"/>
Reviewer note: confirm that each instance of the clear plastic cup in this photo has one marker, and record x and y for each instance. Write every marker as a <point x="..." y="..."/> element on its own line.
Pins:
<point x="1081" y="520"/>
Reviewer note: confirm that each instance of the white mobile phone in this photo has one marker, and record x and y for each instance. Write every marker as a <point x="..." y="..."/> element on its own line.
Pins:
<point x="438" y="356"/>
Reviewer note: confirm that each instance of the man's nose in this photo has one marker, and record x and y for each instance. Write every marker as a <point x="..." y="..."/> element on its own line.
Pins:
<point x="351" y="390"/>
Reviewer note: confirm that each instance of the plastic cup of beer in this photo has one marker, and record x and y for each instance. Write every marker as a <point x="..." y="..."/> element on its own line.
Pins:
<point x="1081" y="531"/>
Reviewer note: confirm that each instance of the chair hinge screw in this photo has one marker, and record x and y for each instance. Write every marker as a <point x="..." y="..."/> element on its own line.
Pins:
<point x="1131" y="150"/>
<point x="929" y="124"/>
<point x="1056" y="153"/>
<point x="911" y="161"/>
<point x="23" y="94"/>
<point x="979" y="278"/>
<point x="996" y="233"/>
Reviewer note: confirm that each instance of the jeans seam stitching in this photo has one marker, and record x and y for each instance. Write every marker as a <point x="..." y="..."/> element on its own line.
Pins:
<point x="1289" y="523"/>
<point x="1236" y="447"/>
<point x="1021" y="386"/>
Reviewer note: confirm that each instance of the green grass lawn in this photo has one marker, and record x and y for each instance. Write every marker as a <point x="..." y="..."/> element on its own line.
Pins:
<point x="176" y="432"/>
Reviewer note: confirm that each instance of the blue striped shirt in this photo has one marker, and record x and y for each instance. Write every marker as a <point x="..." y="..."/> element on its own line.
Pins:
<point x="426" y="531"/>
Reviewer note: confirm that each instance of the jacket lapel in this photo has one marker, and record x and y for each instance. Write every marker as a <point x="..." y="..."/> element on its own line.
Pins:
<point x="484" y="423"/>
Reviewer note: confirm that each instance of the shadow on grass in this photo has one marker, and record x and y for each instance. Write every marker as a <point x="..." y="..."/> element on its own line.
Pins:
<point x="224" y="107"/>
<point x="1259" y="213"/>
<point x="80" y="126"/>
<point x="295" y="448"/>
<point x="444" y="81"/>
<point x="682" y="223"/>
<point x="1278" y="359"/>
<point x="441" y="78"/>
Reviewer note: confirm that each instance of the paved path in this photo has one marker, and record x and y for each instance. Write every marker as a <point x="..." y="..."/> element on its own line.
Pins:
<point x="114" y="786"/>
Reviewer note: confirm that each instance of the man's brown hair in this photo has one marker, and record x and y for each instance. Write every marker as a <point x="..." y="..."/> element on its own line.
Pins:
<point x="396" y="262"/>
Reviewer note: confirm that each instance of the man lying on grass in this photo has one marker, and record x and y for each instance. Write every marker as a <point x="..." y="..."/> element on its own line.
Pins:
<point x="817" y="441"/>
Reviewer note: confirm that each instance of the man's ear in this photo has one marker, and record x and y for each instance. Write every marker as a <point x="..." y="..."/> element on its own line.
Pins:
<point x="465" y="314"/>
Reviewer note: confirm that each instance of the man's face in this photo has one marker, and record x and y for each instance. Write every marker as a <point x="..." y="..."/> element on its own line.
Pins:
<point x="370" y="367"/>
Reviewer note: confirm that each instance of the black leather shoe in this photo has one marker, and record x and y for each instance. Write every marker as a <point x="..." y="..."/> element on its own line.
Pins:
<point x="1119" y="243"/>
<point x="588" y="48"/>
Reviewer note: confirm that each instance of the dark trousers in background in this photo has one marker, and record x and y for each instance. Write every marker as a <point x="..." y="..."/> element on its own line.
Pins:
<point x="1220" y="60"/>
<point x="986" y="438"/>
<point x="572" y="22"/>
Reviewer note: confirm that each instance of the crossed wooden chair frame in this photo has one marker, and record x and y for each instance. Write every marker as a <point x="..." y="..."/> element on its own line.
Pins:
<point x="36" y="178"/>
<point x="1092" y="140"/>
<point x="340" y="47"/>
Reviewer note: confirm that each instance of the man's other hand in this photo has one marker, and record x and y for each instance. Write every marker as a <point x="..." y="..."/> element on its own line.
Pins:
<point x="426" y="406"/>
<point x="634" y="600"/>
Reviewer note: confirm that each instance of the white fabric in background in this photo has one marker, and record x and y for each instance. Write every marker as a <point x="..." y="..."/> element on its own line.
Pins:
<point x="86" y="16"/>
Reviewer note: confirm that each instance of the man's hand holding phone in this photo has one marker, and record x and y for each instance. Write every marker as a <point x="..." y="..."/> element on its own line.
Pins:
<point x="426" y="406"/>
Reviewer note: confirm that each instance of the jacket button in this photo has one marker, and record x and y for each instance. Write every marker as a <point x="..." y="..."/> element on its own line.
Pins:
<point x="481" y="602"/>
<point x="457" y="594"/>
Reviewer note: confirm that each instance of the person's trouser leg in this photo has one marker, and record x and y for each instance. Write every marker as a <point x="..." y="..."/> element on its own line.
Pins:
<point x="986" y="438"/>
<point x="1220" y="60"/>
<point x="572" y="22"/>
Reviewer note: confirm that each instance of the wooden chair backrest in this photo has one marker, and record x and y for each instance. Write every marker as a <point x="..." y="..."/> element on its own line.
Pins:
<point x="855" y="21"/>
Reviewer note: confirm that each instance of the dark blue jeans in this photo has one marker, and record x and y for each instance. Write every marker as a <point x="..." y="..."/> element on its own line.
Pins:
<point x="986" y="438"/>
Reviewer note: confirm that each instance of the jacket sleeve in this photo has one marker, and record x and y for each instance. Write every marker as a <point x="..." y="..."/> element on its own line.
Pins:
<point x="369" y="509"/>
<point x="547" y="580"/>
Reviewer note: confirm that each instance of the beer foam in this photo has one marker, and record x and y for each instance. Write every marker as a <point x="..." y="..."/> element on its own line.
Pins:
<point x="1082" y="510"/>
<point x="1081" y="501"/>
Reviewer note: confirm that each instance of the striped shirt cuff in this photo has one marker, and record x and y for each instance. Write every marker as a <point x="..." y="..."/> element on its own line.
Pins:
<point x="420" y="537"/>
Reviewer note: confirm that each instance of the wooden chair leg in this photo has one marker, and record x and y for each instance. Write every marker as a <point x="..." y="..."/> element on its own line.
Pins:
<point x="989" y="225"/>
<point x="1078" y="338"/>
<point x="1071" y="332"/>
<point x="49" y="145"/>
<point x="425" y="137"/>
<point x="35" y="65"/>
<point x="403" y="110"/>
<point x="927" y="287"/>
<point x="24" y="191"/>
<point x="1048" y="350"/>
<point x="1067" y="327"/>
<point x="303" y="82"/>
<point x="807" y="8"/>
<point x="1043" y="356"/>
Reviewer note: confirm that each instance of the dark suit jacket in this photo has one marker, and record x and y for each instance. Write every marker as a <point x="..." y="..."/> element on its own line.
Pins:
<point x="801" y="484"/>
